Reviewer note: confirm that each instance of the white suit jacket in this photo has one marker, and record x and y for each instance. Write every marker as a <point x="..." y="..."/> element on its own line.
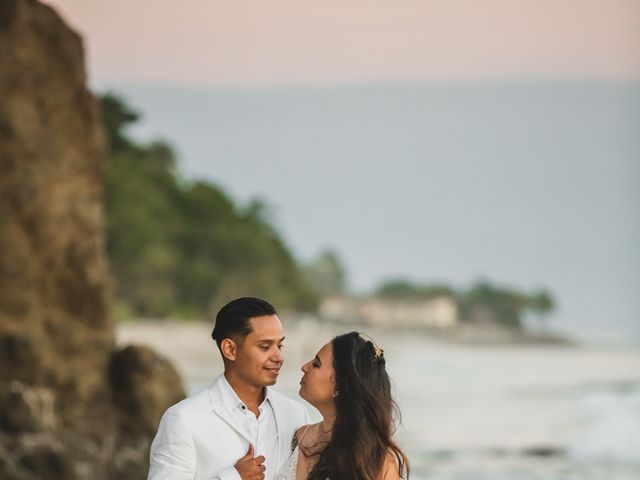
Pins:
<point x="198" y="439"/>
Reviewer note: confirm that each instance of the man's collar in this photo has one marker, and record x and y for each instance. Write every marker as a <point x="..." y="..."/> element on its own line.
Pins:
<point x="267" y="394"/>
<point x="231" y="398"/>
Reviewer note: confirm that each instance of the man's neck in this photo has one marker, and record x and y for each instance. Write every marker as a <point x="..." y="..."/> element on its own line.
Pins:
<point x="252" y="396"/>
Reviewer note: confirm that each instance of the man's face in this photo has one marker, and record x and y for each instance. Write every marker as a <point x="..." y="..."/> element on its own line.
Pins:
<point x="259" y="355"/>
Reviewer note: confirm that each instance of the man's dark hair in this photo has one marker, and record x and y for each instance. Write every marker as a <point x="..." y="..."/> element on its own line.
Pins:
<point x="233" y="319"/>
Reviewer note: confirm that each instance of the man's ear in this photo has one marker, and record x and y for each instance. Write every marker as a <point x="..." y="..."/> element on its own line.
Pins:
<point x="229" y="349"/>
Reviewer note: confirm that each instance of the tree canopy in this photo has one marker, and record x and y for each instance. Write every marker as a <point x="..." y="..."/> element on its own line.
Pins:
<point x="186" y="247"/>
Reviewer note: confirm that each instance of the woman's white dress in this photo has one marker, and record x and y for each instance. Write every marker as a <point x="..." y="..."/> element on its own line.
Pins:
<point x="288" y="470"/>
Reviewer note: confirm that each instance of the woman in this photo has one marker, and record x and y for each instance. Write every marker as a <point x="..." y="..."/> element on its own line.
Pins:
<point x="348" y="383"/>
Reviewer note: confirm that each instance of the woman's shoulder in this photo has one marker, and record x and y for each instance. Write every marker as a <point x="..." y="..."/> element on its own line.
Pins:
<point x="300" y="433"/>
<point x="390" y="467"/>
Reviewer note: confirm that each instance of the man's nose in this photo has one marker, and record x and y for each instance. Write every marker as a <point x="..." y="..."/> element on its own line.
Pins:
<point x="278" y="356"/>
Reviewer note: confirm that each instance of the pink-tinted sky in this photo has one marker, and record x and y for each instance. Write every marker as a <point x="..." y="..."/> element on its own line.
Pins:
<point x="283" y="42"/>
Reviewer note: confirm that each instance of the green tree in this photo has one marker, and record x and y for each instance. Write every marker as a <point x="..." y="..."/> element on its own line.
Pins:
<point x="326" y="274"/>
<point x="541" y="304"/>
<point x="502" y="305"/>
<point x="401" y="288"/>
<point x="485" y="302"/>
<point x="186" y="247"/>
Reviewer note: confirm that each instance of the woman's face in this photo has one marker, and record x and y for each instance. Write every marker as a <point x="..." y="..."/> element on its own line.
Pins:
<point x="318" y="382"/>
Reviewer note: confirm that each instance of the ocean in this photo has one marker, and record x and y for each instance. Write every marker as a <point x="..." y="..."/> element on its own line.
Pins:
<point x="472" y="412"/>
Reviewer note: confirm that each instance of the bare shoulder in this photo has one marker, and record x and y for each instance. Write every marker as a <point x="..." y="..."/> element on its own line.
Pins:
<point x="302" y="431"/>
<point x="390" y="468"/>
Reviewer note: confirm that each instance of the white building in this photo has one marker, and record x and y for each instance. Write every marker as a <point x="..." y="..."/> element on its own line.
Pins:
<point x="440" y="312"/>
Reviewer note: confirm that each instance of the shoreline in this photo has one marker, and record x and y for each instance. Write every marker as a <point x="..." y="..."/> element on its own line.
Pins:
<point x="537" y="408"/>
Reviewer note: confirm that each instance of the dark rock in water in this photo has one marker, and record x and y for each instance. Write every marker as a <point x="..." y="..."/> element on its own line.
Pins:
<point x="543" y="451"/>
<point x="67" y="408"/>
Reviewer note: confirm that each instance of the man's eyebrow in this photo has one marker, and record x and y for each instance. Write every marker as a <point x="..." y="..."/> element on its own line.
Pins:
<point x="270" y="341"/>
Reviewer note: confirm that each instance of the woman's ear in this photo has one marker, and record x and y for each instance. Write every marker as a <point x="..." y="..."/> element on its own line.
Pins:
<point x="229" y="349"/>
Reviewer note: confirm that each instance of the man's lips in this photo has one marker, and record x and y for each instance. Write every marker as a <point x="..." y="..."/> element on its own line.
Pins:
<point x="273" y="370"/>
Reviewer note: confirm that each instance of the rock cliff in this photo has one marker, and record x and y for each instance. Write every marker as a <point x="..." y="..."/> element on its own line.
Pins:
<point x="71" y="404"/>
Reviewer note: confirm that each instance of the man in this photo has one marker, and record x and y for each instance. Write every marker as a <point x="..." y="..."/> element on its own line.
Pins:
<point x="237" y="428"/>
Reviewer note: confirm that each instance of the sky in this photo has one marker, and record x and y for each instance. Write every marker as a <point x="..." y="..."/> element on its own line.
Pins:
<point x="299" y="42"/>
<point x="526" y="184"/>
<point x="440" y="140"/>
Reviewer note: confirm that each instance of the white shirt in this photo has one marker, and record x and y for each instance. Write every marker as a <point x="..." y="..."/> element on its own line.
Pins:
<point x="262" y="430"/>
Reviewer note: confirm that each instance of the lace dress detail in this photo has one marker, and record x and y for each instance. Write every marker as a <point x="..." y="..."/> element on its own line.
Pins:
<point x="288" y="470"/>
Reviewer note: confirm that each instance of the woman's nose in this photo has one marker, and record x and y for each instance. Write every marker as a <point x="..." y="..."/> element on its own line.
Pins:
<point x="304" y="367"/>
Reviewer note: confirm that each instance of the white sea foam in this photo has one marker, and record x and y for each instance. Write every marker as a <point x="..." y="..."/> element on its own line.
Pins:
<point x="607" y="426"/>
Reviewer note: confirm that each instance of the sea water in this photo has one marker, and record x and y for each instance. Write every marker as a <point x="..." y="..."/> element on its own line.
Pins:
<point x="481" y="412"/>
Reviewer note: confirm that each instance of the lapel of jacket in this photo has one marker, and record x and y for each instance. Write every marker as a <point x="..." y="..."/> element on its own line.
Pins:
<point x="281" y="416"/>
<point x="224" y="411"/>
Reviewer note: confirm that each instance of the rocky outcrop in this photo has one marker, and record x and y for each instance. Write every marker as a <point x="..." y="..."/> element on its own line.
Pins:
<point x="71" y="405"/>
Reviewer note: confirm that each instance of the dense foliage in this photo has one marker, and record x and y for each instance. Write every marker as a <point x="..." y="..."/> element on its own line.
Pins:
<point x="179" y="247"/>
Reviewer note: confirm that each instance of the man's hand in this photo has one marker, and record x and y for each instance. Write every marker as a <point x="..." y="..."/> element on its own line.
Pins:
<point x="251" y="468"/>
